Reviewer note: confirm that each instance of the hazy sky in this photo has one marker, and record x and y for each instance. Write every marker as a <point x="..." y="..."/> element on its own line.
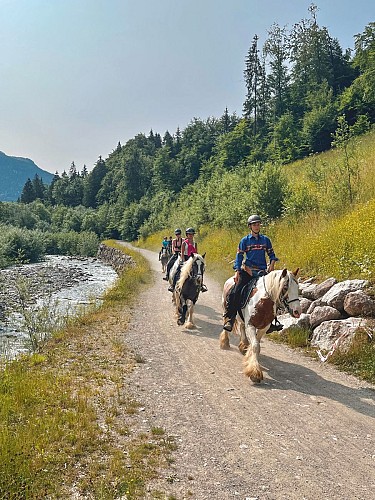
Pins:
<point x="77" y="76"/>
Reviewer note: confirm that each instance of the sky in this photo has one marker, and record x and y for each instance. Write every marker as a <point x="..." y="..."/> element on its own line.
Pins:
<point x="78" y="76"/>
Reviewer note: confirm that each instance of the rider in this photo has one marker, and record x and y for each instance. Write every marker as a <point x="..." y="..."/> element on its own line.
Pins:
<point x="170" y="245"/>
<point x="254" y="248"/>
<point x="164" y="246"/>
<point x="176" y="251"/>
<point x="188" y="247"/>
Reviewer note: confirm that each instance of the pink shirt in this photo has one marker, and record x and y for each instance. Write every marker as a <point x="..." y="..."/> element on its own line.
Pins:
<point x="189" y="248"/>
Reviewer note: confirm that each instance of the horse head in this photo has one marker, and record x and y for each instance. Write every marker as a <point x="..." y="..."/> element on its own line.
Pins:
<point x="289" y="296"/>
<point x="197" y="267"/>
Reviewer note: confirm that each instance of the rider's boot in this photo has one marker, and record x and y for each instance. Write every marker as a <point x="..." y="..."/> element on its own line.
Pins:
<point x="166" y="277"/>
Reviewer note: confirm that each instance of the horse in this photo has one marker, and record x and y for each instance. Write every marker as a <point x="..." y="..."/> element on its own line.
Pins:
<point x="164" y="257"/>
<point x="187" y="288"/>
<point x="277" y="289"/>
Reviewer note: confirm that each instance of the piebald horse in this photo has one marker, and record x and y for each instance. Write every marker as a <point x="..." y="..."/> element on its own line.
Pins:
<point x="274" y="290"/>
<point x="187" y="288"/>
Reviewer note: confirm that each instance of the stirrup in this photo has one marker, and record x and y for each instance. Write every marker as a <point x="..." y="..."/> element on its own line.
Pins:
<point x="228" y="325"/>
<point x="276" y="326"/>
<point x="171" y="288"/>
<point x="204" y="288"/>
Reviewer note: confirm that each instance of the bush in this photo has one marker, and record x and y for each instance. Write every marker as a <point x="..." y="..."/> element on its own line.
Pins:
<point x="21" y="246"/>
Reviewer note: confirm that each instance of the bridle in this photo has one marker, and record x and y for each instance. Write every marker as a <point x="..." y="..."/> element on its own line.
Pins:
<point x="200" y="270"/>
<point x="284" y="296"/>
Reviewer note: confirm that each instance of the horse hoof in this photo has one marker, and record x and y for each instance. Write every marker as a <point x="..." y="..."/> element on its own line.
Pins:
<point x="180" y="322"/>
<point x="242" y="347"/>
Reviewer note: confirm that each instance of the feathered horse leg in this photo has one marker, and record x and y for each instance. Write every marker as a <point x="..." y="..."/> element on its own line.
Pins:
<point x="252" y="368"/>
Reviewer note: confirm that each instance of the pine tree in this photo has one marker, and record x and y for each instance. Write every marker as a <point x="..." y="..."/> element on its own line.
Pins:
<point x="28" y="193"/>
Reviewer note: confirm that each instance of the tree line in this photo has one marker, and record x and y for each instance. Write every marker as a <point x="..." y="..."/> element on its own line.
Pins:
<point x="304" y="95"/>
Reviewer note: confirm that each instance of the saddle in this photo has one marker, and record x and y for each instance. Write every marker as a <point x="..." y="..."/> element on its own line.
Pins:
<point x="246" y="293"/>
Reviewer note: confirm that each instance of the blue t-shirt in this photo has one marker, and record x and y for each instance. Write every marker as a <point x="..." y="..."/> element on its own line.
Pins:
<point x="254" y="250"/>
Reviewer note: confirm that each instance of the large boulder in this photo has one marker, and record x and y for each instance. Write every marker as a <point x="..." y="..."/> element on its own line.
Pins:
<point x="336" y="295"/>
<point x="327" y="333"/>
<point x="315" y="291"/>
<point x="289" y="321"/>
<point x="359" y="304"/>
<point x="323" y="313"/>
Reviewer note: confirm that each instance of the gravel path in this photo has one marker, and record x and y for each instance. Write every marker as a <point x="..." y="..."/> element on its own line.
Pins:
<point x="306" y="432"/>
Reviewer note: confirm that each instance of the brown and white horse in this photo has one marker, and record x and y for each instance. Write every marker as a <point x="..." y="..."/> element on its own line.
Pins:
<point x="188" y="288"/>
<point x="274" y="290"/>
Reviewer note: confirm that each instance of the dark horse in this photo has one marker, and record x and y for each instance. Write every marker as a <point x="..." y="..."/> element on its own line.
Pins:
<point x="188" y="288"/>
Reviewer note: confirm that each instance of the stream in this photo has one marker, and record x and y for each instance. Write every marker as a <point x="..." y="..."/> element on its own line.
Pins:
<point x="61" y="286"/>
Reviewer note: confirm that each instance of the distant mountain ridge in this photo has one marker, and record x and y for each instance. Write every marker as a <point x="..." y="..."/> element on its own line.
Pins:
<point x="14" y="172"/>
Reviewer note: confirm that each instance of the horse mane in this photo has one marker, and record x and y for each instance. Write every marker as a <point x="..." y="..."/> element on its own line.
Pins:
<point x="186" y="268"/>
<point x="273" y="284"/>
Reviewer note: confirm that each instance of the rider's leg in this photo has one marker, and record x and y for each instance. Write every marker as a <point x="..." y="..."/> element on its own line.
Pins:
<point x="175" y="279"/>
<point x="170" y="263"/>
<point x="233" y="301"/>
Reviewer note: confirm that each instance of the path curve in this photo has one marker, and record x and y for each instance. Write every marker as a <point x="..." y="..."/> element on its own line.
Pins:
<point x="306" y="432"/>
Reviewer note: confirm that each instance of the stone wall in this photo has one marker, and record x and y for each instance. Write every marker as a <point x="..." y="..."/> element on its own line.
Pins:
<point x="115" y="258"/>
<point x="334" y="311"/>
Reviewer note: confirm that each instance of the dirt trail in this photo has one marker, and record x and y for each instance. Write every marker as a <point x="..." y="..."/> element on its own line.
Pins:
<point x="306" y="432"/>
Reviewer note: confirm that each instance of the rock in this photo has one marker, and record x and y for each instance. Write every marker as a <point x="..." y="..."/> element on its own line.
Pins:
<point x="288" y="321"/>
<point x="305" y="304"/>
<point x="336" y="295"/>
<point x="323" y="313"/>
<point x="359" y="304"/>
<point x="315" y="291"/>
<point x="328" y="332"/>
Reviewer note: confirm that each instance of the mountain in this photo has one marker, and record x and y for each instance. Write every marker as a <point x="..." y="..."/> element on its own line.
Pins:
<point x="14" y="172"/>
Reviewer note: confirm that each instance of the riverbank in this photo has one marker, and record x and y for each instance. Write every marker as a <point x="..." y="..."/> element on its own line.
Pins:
<point x="64" y="285"/>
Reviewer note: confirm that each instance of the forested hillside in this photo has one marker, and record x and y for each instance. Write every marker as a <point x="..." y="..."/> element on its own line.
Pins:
<point x="304" y="95"/>
<point x="14" y="172"/>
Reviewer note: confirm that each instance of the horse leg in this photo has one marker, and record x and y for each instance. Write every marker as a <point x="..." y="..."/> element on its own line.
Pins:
<point x="181" y="314"/>
<point x="244" y="343"/>
<point x="224" y="340"/>
<point x="252" y="368"/>
<point x="190" y="323"/>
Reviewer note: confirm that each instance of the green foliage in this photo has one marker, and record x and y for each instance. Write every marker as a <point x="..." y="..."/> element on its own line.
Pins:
<point x="72" y="243"/>
<point x="21" y="246"/>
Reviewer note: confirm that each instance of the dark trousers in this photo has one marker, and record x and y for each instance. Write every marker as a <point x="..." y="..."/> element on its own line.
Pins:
<point x="170" y="263"/>
<point x="234" y="297"/>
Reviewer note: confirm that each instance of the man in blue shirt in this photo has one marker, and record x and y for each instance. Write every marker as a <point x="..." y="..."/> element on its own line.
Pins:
<point x="253" y="248"/>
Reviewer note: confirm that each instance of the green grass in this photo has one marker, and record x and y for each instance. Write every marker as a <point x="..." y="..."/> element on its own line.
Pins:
<point x="65" y="416"/>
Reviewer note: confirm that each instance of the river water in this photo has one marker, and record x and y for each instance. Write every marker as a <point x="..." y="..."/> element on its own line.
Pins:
<point x="62" y="285"/>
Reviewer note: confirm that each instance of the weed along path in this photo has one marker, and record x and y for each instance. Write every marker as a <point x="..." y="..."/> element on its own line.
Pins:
<point x="306" y="432"/>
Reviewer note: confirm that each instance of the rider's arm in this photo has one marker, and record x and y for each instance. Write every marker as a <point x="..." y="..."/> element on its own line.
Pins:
<point x="181" y="256"/>
<point x="271" y="255"/>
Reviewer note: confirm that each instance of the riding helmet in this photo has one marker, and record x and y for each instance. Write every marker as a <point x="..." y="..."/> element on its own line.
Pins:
<point x="253" y="218"/>
<point x="177" y="231"/>
<point x="190" y="230"/>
